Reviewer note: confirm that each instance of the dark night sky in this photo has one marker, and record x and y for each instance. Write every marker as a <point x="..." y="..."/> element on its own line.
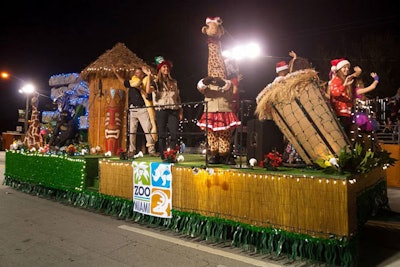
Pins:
<point x="44" y="38"/>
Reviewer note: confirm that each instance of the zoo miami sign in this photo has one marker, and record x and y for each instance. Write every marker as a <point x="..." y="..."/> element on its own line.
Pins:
<point x="152" y="188"/>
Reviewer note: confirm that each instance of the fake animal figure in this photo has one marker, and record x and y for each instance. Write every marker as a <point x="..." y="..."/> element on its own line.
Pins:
<point x="219" y="93"/>
<point x="65" y="131"/>
<point x="33" y="138"/>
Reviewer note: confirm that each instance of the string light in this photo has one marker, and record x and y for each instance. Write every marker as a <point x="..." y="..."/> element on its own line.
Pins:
<point x="195" y="170"/>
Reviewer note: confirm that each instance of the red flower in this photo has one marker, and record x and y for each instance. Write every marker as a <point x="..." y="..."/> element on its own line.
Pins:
<point x="272" y="160"/>
<point x="170" y="155"/>
<point x="71" y="150"/>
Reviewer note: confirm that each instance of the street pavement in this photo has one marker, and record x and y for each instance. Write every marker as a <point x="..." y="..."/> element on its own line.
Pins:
<point x="39" y="232"/>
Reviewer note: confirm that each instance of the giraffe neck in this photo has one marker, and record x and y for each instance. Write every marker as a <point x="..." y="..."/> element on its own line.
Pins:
<point x="216" y="64"/>
<point x="32" y="136"/>
<point x="35" y="113"/>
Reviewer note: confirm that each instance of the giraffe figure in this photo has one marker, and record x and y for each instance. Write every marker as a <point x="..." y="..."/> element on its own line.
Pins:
<point x="219" y="119"/>
<point x="214" y="31"/>
<point x="33" y="138"/>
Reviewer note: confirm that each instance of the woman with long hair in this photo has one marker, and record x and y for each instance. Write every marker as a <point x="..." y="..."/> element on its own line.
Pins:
<point x="341" y="92"/>
<point x="167" y="103"/>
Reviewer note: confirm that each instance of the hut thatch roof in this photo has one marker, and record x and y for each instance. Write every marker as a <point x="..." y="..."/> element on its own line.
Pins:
<point x="124" y="60"/>
<point x="284" y="90"/>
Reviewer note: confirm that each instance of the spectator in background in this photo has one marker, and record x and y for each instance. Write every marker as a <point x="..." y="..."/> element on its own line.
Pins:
<point x="394" y="107"/>
<point x="397" y="95"/>
<point x="375" y="122"/>
<point x="377" y="108"/>
<point x="388" y="125"/>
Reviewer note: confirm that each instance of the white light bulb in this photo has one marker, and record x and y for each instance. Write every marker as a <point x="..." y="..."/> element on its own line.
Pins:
<point x="253" y="162"/>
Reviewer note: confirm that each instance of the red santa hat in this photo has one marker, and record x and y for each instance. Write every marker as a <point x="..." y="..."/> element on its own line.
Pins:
<point x="339" y="63"/>
<point x="160" y="61"/>
<point x="216" y="20"/>
<point x="280" y="66"/>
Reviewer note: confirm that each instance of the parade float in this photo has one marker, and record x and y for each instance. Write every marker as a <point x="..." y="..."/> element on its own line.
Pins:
<point x="313" y="213"/>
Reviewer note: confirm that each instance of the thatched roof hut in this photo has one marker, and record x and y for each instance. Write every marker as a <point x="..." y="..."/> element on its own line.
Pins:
<point x="124" y="60"/>
<point x="107" y="95"/>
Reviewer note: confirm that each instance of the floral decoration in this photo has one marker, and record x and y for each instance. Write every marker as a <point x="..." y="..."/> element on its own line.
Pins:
<point x="170" y="155"/>
<point x="272" y="160"/>
<point x="70" y="150"/>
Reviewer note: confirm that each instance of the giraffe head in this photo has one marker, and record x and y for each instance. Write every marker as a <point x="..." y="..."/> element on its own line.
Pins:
<point x="34" y="101"/>
<point x="213" y="27"/>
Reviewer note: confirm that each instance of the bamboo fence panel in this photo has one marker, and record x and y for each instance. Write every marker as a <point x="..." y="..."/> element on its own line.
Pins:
<point x="116" y="179"/>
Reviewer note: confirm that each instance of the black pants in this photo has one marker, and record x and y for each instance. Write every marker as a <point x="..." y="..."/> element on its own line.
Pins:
<point x="346" y="123"/>
<point x="167" y="121"/>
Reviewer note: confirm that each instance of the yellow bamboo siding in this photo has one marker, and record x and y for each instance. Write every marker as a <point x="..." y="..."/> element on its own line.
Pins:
<point x="97" y="112"/>
<point x="115" y="179"/>
<point x="312" y="205"/>
<point x="301" y="204"/>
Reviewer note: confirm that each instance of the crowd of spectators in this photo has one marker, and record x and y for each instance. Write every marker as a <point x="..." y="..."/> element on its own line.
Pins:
<point x="386" y="113"/>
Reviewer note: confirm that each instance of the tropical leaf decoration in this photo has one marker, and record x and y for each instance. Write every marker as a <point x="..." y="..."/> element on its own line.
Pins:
<point x="358" y="160"/>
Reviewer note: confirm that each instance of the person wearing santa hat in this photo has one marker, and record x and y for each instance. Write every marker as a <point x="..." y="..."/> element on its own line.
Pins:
<point x="341" y="92"/>
<point x="167" y="103"/>
<point x="282" y="68"/>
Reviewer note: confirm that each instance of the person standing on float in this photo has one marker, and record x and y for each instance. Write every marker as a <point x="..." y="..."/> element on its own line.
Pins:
<point x="167" y="103"/>
<point x="138" y="113"/>
<point x="341" y="93"/>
